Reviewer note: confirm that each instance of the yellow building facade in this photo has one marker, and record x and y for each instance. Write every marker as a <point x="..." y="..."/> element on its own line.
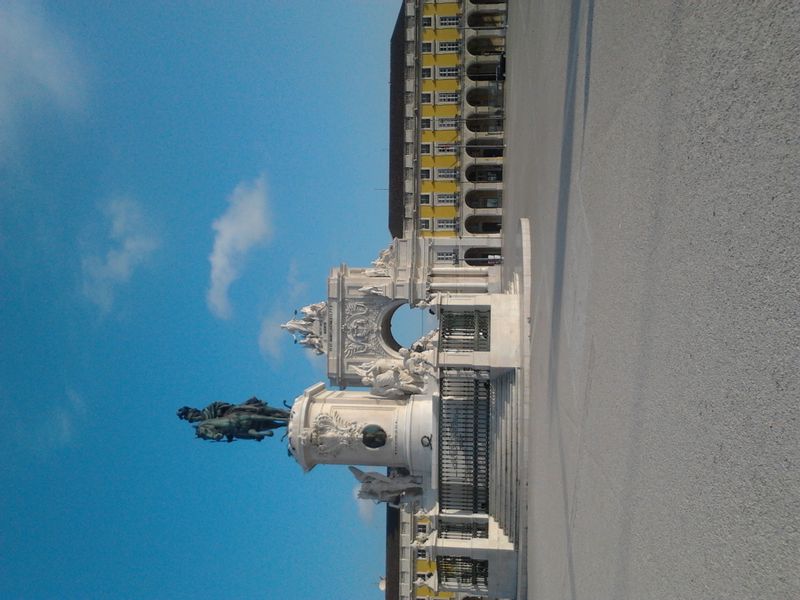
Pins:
<point x="447" y="146"/>
<point x="453" y="128"/>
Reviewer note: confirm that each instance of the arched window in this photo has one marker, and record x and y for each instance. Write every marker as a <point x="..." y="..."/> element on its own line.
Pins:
<point x="484" y="173"/>
<point x="484" y="199"/>
<point x="483" y="224"/>
<point x="480" y="257"/>
<point x="482" y="123"/>
<point x="485" y="148"/>
<point x="486" y="45"/>
<point x="485" y="96"/>
<point x="484" y="71"/>
<point x="486" y="19"/>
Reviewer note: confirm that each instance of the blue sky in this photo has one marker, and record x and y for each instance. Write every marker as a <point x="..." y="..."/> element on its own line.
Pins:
<point x="175" y="179"/>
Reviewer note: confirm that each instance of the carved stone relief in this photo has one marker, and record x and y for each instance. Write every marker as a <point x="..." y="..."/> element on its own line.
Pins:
<point x="361" y="329"/>
<point x="307" y="331"/>
<point x="330" y="433"/>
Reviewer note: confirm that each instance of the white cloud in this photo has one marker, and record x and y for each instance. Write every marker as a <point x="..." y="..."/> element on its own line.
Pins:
<point x="58" y="423"/>
<point x="271" y="335"/>
<point x="269" y="338"/>
<point x="366" y="508"/>
<point x="65" y="418"/>
<point x="318" y="362"/>
<point x="37" y="68"/>
<point x="131" y="244"/>
<point x="244" y="225"/>
<point x="294" y="285"/>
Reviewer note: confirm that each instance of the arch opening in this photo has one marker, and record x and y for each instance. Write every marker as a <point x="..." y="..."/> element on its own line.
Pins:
<point x="485" y="96"/>
<point x="484" y="199"/>
<point x="484" y="71"/>
<point x="481" y="257"/>
<point x="486" y="19"/>
<point x="484" y="173"/>
<point x="404" y="325"/>
<point x="484" y="224"/>
<point x="482" y="123"/>
<point x="485" y="148"/>
<point x="486" y="45"/>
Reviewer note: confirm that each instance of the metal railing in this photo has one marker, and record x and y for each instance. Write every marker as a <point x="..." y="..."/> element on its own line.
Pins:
<point x="462" y="530"/>
<point x="464" y="440"/>
<point x="463" y="570"/>
<point x="465" y="331"/>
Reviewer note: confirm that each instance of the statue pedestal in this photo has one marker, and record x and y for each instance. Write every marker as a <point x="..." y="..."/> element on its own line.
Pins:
<point x="359" y="428"/>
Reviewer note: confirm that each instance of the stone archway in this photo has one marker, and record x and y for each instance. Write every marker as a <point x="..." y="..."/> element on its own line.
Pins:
<point x="387" y="336"/>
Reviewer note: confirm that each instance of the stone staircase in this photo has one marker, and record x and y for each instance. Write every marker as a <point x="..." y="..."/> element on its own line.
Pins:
<point x="505" y="456"/>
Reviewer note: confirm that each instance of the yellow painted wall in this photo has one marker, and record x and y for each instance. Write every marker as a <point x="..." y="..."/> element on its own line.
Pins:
<point x="437" y="234"/>
<point x="424" y="590"/>
<point x="443" y="187"/>
<point x="441" y="85"/>
<point x="440" y="161"/>
<point x="448" y="135"/>
<point x="440" y="110"/>
<point x="427" y="211"/>
<point x="440" y="8"/>
<point x="448" y="34"/>
<point x="450" y="59"/>
<point x="424" y="565"/>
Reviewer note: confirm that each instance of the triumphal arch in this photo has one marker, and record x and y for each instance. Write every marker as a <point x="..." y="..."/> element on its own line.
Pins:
<point x="438" y="414"/>
<point x="440" y="417"/>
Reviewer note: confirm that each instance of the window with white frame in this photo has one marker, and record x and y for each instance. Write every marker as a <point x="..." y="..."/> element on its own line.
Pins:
<point x="424" y="148"/>
<point x="450" y="46"/>
<point x="448" y="97"/>
<point x="445" y="148"/>
<point x="426" y="97"/>
<point x="424" y="198"/>
<point x="424" y="224"/>
<point x="448" y="174"/>
<point x="446" y="199"/>
<point x="426" y="72"/>
<point x="425" y="123"/>
<point x="422" y="553"/>
<point x="446" y="256"/>
<point x="409" y="172"/>
<point x="446" y="72"/>
<point x="445" y="224"/>
<point x="422" y="528"/>
<point x="427" y="46"/>
<point x="446" y="123"/>
<point x="427" y="21"/>
<point x="424" y="173"/>
<point x="449" y="20"/>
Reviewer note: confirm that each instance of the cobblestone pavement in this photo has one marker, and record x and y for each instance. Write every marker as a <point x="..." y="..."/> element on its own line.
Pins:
<point x="654" y="148"/>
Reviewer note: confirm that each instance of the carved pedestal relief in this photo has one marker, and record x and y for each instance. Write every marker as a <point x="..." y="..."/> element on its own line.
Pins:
<point x="330" y="434"/>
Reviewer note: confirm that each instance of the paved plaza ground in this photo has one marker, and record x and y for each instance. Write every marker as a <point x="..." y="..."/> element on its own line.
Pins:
<point x="654" y="148"/>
